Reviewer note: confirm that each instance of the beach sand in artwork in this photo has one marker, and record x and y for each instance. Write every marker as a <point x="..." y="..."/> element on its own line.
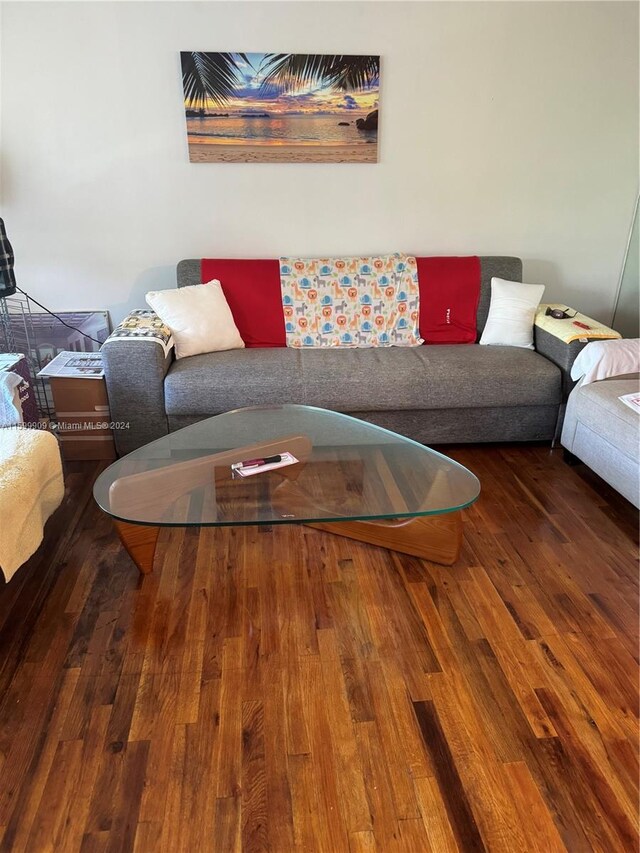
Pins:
<point x="204" y="153"/>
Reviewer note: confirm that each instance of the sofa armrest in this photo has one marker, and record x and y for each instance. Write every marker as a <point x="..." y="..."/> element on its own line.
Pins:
<point x="560" y="340"/>
<point x="560" y="353"/>
<point x="561" y="344"/>
<point x="134" y="371"/>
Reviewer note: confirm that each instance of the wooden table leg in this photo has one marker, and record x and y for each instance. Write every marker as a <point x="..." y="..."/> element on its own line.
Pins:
<point x="140" y="542"/>
<point x="432" y="537"/>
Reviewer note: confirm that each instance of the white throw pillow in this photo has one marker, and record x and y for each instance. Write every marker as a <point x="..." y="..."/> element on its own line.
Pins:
<point x="199" y="318"/>
<point x="511" y="313"/>
<point x="603" y="359"/>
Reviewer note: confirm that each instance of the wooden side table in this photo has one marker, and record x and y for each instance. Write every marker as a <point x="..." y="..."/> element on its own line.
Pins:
<point x="83" y="418"/>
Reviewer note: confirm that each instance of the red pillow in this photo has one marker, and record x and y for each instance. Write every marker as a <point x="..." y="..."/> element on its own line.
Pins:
<point x="252" y="289"/>
<point x="449" y="296"/>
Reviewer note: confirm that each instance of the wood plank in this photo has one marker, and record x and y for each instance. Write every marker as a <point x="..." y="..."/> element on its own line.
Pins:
<point x="541" y="832"/>
<point x="362" y="842"/>
<point x="413" y="838"/>
<point x="434" y="816"/>
<point x="201" y="761"/>
<point x="77" y="806"/>
<point x="230" y="753"/>
<point x="406" y="805"/>
<point x="379" y="786"/>
<point x="348" y="767"/>
<point x="458" y="809"/>
<point x="227" y="829"/>
<point x="331" y="815"/>
<point x="253" y="779"/>
<point x="304" y="801"/>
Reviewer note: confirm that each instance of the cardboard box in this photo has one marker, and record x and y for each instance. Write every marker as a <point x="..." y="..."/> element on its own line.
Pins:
<point x="83" y="418"/>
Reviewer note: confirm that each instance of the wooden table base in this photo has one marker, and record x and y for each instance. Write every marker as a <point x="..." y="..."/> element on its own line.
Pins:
<point x="431" y="537"/>
<point x="140" y="542"/>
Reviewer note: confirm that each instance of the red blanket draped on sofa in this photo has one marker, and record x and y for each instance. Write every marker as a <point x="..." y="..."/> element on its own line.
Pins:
<point x="449" y="296"/>
<point x="252" y="289"/>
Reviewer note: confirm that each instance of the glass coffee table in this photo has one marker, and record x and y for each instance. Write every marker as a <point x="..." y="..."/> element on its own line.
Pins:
<point x="352" y="479"/>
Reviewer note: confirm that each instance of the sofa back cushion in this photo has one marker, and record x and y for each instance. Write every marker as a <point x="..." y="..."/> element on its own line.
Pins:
<point x="252" y="289"/>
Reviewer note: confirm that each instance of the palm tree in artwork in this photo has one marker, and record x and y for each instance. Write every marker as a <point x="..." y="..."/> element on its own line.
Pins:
<point x="213" y="76"/>
<point x="209" y="76"/>
<point x="293" y="71"/>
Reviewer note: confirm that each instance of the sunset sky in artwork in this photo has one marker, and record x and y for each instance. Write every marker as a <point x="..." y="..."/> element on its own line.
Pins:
<point x="309" y="100"/>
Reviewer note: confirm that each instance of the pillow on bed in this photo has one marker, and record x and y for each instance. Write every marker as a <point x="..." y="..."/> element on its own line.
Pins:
<point x="511" y="313"/>
<point x="604" y="359"/>
<point x="199" y="318"/>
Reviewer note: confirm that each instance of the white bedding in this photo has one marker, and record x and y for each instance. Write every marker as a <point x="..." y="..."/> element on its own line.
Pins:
<point x="31" y="488"/>
<point x="604" y="359"/>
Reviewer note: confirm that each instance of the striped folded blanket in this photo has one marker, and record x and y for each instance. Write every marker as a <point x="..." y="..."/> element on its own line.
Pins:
<point x="143" y="324"/>
<point x="351" y="302"/>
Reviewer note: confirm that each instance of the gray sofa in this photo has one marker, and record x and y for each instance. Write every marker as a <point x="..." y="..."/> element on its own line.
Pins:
<point x="604" y="433"/>
<point x="433" y="394"/>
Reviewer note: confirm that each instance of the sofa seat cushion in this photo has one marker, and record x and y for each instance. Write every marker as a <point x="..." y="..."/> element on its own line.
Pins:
<point x="597" y="407"/>
<point x="352" y="380"/>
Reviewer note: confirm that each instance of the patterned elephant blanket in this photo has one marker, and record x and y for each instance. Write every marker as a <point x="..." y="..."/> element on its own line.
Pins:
<point x="351" y="302"/>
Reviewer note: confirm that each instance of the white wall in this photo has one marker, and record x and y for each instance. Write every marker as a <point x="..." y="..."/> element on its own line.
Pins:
<point x="506" y="128"/>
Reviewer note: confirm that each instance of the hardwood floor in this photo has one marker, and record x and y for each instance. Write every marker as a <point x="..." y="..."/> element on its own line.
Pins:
<point x="286" y="689"/>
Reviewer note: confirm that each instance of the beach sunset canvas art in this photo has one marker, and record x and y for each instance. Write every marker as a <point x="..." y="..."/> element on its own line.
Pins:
<point x="281" y="107"/>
